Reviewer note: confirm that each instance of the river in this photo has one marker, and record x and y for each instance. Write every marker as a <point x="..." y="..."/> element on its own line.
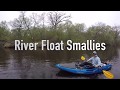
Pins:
<point x="41" y="64"/>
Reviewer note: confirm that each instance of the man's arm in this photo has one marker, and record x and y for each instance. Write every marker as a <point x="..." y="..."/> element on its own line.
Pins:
<point x="90" y="59"/>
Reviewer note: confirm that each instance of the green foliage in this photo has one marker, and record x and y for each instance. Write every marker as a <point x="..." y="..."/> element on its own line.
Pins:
<point x="104" y="33"/>
<point x="64" y="31"/>
<point x="4" y="34"/>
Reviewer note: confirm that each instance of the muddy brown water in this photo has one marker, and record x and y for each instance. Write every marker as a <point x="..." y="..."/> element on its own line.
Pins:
<point x="41" y="64"/>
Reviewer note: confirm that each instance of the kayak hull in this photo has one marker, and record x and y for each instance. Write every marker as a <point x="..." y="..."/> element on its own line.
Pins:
<point x="84" y="71"/>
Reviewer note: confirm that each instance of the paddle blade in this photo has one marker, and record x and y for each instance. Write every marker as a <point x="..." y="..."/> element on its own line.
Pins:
<point x="82" y="58"/>
<point x="108" y="74"/>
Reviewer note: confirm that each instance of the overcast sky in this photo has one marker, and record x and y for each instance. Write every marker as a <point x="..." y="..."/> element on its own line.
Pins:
<point x="88" y="17"/>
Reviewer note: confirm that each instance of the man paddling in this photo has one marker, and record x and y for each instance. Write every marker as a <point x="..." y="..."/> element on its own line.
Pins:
<point x="92" y="62"/>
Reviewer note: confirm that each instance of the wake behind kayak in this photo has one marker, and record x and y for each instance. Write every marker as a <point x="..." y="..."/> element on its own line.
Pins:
<point x="84" y="71"/>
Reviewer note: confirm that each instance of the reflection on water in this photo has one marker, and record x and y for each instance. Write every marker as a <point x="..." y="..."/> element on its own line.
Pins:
<point x="41" y="64"/>
<point x="63" y="74"/>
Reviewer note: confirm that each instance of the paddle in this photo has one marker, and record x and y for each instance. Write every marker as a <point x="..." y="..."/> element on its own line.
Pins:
<point x="82" y="58"/>
<point x="106" y="73"/>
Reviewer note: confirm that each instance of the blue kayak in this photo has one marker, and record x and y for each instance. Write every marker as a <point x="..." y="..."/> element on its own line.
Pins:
<point x="84" y="71"/>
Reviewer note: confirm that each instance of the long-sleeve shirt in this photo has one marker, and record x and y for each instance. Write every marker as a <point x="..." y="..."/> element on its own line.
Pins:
<point x="95" y="61"/>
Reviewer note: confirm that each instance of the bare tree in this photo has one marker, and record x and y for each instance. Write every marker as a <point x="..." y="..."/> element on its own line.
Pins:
<point x="38" y="20"/>
<point x="26" y="22"/>
<point x="16" y="24"/>
<point x="22" y="23"/>
<point x="43" y="19"/>
<point x="4" y="24"/>
<point x="55" y="18"/>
